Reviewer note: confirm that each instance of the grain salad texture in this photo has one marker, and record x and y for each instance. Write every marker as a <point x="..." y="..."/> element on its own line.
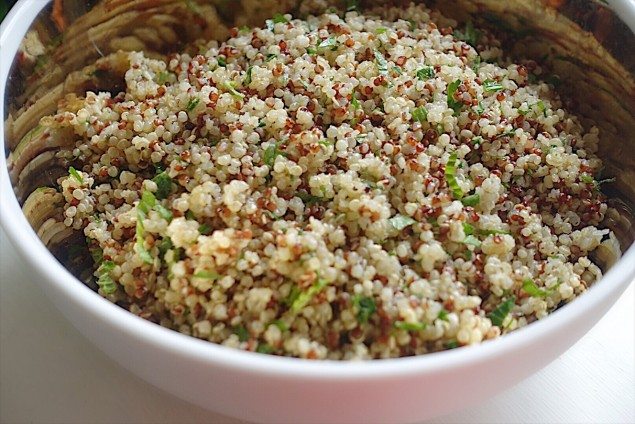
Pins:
<point x="348" y="186"/>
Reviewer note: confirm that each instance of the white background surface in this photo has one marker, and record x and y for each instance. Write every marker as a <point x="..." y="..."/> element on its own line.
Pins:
<point x="49" y="373"/>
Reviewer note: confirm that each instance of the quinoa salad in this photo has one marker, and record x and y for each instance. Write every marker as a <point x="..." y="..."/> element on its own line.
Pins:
<point x="348" y="186"/>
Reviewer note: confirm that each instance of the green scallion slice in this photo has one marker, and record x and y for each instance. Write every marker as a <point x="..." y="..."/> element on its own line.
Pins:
<point x="450" y="176"/>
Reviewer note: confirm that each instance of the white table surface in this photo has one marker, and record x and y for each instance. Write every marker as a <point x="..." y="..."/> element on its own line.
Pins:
<point x="50" y="373"/>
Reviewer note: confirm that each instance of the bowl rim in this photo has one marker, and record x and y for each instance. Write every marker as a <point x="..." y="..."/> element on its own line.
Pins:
<point x="36" y="255"/>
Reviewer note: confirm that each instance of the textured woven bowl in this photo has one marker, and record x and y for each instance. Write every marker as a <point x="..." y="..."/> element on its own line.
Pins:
<point x="596" y="64"/>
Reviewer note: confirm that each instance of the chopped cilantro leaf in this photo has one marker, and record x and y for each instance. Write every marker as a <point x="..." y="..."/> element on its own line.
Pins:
<point x="425" y="73"/>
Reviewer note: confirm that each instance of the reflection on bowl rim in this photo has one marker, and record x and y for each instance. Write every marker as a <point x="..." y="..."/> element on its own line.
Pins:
<point x="25" y="240"/>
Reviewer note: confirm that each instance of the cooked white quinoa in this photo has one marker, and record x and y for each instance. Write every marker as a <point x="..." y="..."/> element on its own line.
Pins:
<point x="342" y="188"/>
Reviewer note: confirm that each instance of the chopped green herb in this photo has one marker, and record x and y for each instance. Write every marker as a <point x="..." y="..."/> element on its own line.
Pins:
<point x="308" y="199"/>
<point x="229" y="86"/>
<point x="443" y="315"/>
<point x="382" y="65"/>
<point x="491" y="86"/>
<point x="293" y="295"/>
<point x="247" y="79"/>
<point x="470" y="35"/>
<point x="587" y="179"/>
<point x="410" y="326"/>
<point x="97" y="254"/>
<point x="480" y="109"/>
<point x="477" y="64"/>
<point x="105" y="281"/>
<point x="498" y="315"/>
<point x="450" y="176"/>
<point x="162" y="77"/>
<point x="271" y="153"/>
<point x="164" y="185"/>
<point x="354" y="102"/>
<point x="420" y="114"/>
<point x="207" y="275"/>
<point x="311" y="50"/>
<point x="264" y="348"/>
<point x="412" y="25"/>
<point x="399" y="222"/>
<point x="192" y="104"/>
<point x="304" y="298"/>
<point x="533" y="290"/>
<point x="204" y="229"/>
<point x="381" y="30"/>
<point x="328" y="43"/>
<point x="493" y="232"/>
<point x="452" y="344"/>
<point x="397" y="70"/>
<point x="279" y="19"/>
<point x="542" y="107"/>
<point x="468" y="229"/>
<point x="78" y="177"/>
<point x="280" y="324"/>
<point x="222" y="61"/>
<point x="165" y="245"/>
<point x="472" y="241"/>
<point x="454" y="104"/>
<point x="471" y="200"/>
<point x="270" y="57"/>
<point x="242" y="333"/>
<point x="365" y="307"/>
<point x="425" y="73"/>
<point x="164" y="212"/>
<point x="352" y="5"/>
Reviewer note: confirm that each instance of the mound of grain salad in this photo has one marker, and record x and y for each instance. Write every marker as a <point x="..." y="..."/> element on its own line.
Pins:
<point x="341" y="187"/>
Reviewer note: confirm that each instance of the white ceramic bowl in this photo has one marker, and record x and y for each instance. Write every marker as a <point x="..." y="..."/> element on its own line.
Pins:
<point x="265" y="388"/>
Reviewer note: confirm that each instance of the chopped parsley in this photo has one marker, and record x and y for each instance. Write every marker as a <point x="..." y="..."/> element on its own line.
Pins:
<point x="471" y="240"/>
<point x="425" y="73"/>
<point x="304" y="298"/>
<point x="355" y="104"/>
<point x="204" y="229"/>
<point x="399" y="222"/>
<point x="207" y="275"/>
<point x="410" y="326"/>
<point x="264" y="348"/>
<point x="271" y="153"/>
<point x="420" y="114"/>
<point x="162" y="77"/>
<point x="491" y="86"/>
<point x="76" y="175"/>
<point x="498" y="315"/>
<point x="222" y="61"/>
<point x="164" y="185"/>
<point x="533" y="290"/>
<point x="471" y="200"/>
<point x="352" y="5"/>
<point x="247" y="79"/>
<point x="192" y="104"/>
<point x="470" y="35"/>
<point x="443" y="315"/>
<point x="365" y="307"/>
<point x="382" y="64"/>
<point x="242" y="333"/>
<point x="279" y="19"/>
<point x="493" y="232"/>
<point x="270" y="57"/>
<point x="381" y="30"/>
<point x="453" y="104"/>
<point x="282" y="326"/>
<point x="328" y="43"/>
